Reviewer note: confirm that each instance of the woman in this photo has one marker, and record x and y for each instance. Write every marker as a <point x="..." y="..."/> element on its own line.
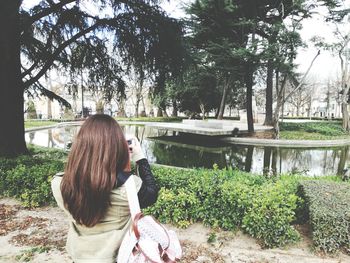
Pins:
<point x="92" y="192"/>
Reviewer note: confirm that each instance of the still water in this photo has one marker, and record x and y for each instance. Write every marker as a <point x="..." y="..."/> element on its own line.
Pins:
<point x="163" y="148"/>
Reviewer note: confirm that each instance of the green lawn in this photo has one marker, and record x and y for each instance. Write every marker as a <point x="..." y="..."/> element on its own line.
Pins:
<point x="326" y="130"/>
<point x="32" y="124"/>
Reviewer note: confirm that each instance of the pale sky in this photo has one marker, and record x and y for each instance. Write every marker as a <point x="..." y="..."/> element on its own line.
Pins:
<point x="325" y="67"/>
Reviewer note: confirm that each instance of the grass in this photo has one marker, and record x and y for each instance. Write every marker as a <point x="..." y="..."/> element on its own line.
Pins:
<point x="313" y="131"/>
<point x="32" y="124"/>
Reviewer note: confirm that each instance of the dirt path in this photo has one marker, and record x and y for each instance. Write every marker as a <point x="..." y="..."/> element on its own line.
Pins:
<point x="39" y="235"/>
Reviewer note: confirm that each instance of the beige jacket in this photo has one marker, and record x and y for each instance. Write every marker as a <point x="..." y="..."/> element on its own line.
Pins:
<point x="100" y="243"/>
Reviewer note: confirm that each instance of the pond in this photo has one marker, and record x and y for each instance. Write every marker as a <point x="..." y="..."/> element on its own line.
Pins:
<point x="163" y="147"/>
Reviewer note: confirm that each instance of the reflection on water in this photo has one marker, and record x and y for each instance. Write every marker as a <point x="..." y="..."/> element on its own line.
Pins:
<point x="163" y="148"/>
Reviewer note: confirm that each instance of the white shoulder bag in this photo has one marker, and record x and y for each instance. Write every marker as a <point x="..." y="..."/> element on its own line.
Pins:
<point x="147" y="240"/>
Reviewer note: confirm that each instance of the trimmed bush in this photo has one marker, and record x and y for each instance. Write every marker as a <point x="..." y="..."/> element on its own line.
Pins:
<point x="28" y="177"/>
<point x="328" y="207"/>
<point x="270" y="213"/>
<point x="229" y="199"/>
<point x="177" y="207"/>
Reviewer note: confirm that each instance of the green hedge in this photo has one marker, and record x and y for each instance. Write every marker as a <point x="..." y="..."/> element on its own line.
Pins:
<point x="229" y="199"/>
<point x="28" y="177"/>
<point x="264" y="208"/>
<point x="328" y="207"/>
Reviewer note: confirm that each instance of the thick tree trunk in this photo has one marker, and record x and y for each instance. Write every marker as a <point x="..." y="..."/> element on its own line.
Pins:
<point x="12" y="140"/>
<point x="269" y="95"/>
<point x="223" y="99"/>
<point x="249" y="99"/>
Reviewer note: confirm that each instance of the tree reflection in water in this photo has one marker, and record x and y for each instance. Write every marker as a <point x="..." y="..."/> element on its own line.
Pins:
<point x="249" y="158"/>
<point x="342" y="161"/>
<point x="163" y="147"/>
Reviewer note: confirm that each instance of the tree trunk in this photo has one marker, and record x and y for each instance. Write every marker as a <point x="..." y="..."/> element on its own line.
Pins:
<point x="269" y="95"/>
<point x="49" y="109"/>
<point x="223" y="99"/>
<point x="121" y="108"/>
<point x="175" y="109"/>
<point x="159" y="112"/>
<point x="279" y="103"/>
<point x="165" y="114"/>
<point x="345" y="112"/>
<point x="12" y="142"/>
<point x="100" y="107"/>
<point x="249" y="99"/>
<point x="137" y="108"/>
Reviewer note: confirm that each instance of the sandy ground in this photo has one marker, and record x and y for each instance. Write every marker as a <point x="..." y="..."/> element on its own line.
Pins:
<point x="38" y="235"/>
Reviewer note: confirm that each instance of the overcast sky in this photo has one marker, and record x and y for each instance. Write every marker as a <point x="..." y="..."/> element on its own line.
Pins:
<point x="325" y="67"/>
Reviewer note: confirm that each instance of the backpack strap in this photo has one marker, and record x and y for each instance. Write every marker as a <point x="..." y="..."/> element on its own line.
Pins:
<point x="60" y="174"/>
<point x="133" y="200"/>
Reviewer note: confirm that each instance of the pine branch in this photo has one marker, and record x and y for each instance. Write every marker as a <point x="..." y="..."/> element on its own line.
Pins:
<point x="55" y="54"/>
<point x="45" y="12"/>
<point x="51" y="95"/>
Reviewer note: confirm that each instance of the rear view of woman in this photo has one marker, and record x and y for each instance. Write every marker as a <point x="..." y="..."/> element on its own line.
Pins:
<point x="92" y="192"/>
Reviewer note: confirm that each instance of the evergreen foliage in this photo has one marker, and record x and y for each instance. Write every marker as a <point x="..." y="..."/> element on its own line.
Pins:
<point x="328" y="210"/>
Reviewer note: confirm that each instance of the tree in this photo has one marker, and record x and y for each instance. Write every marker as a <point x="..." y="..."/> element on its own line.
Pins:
<point x="300" y="98"/>
<point x="200" y="93"/>
<point x="140" y="31"/>
<point x="282" y="97"/>
<point x="341" y="48"/>
<point x="137" y="84"/>
<point x="233" y="35"/>
<point x="217" y="34"/>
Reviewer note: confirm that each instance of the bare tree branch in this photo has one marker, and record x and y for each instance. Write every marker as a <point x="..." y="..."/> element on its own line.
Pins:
<point x="303" y="79"/>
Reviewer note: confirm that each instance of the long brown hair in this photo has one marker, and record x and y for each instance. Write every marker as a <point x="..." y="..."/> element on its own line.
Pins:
<point x="98" y="153"/>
